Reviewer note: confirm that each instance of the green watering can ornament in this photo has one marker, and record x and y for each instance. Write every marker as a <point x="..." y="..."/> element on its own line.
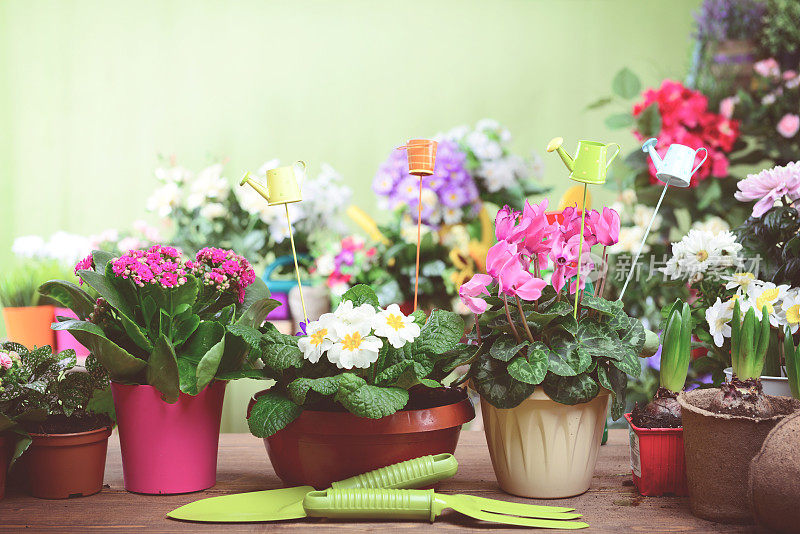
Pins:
<point x="589" y="166"/>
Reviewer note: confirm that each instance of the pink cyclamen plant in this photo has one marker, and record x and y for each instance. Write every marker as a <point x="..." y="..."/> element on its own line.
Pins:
<point x="528" y="241"/>
<point x="769" y="186"/>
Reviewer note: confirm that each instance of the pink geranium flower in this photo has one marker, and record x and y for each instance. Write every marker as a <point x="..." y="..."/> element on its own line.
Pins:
<point x="788" y="125"/>
<point x="471" y="291"/>
<point x="768" y="186"/>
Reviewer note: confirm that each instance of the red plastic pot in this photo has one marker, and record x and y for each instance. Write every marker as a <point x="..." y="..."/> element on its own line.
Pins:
<point x="5" y="456"/>
<point x="60" y="466"/>
<point x="657" y="460"/>
<point x="319" y="447"/>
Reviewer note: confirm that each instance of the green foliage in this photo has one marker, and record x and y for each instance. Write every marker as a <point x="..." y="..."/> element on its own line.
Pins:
<point x="792" y="356"/>
<point x="749" y="342"/>
<point x="19" y="283"/>
<point x="626" y="84"/>
<point x="569" y="359"/>
<point x="374" y="392"/>
<point x="781" y="32"/>
<point x="676" y="351"/>
<point x="175" y="339"/>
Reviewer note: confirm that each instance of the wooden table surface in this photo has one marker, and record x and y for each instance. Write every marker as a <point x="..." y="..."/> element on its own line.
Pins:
<point x="611" y="505"/>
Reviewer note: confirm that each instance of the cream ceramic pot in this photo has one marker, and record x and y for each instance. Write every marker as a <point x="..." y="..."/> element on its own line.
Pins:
<point x="543" y="449"/>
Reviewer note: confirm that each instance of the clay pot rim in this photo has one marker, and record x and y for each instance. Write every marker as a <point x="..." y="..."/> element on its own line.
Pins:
<point x="73" y="438"/>
<point x="652" y="431"/>
<point x="213" y="382"/>
<point x="401" y="422"/>
<point x="685" y="397"/>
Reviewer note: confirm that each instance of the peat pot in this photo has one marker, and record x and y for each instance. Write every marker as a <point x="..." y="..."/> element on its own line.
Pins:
<point x="321" y="447"/>
<point x="718" y="449"/>
<point x="543" y="449"/>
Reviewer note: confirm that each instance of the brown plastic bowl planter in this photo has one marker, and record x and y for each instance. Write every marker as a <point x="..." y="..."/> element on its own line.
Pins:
<point x="322" y="447"/>
<point x="718" y="449"/>
<point x="60" y="466"/>
<point x="657" y="460"/>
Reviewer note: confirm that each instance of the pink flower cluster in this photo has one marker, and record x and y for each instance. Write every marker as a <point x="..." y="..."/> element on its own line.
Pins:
<point x="223" y="269"/>
<point x="157" y="265"/>
<point x="534" y="238"/>
<point x="685" y="119"/>
<point x="86" y="264"/>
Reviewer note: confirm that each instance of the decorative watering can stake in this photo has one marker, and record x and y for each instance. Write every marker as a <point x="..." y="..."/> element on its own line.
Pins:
<point x="589" y="166"/>
<point x="282" y="188"/>
<point x="421" y="161"/>
<point x="676" y="170"/>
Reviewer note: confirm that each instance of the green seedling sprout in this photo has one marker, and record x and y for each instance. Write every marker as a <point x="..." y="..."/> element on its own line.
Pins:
<point x="792" y="355"/>
<point x="749" y="342"/>
<point x="676" y="349"/>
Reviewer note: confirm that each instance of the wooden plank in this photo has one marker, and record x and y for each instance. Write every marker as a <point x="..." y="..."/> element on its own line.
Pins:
<point x="611" y="505"/>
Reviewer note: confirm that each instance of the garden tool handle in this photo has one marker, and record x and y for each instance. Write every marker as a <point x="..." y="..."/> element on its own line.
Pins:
<point x="370" y="504"/>
<point x="416" y="473"/>
<point x="608" y="163"/>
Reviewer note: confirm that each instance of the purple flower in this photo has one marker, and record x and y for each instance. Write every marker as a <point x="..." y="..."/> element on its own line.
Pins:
<point x="769" y="186"/>
<point x="453" y="196"/>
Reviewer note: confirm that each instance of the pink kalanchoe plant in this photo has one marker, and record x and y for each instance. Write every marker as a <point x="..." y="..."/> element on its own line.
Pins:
<point x="223" y="269"/>
<point x="158" y="265"/>
<point x="769" y="186"/>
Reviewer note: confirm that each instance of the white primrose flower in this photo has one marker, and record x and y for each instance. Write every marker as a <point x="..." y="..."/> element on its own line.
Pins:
<point x="399" y="329"/>
<point x="356" y="348"/>
<point x="718" y="317"/>
<point x="349" y="316"/>
<point x="790" y="310"/>
<point x="319" y="338"/>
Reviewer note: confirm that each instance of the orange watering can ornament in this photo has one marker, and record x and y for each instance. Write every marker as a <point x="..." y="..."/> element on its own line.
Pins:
<point x="421" y="162"/>
<point x="589" y="166"/>
<point x="282" y="188"/>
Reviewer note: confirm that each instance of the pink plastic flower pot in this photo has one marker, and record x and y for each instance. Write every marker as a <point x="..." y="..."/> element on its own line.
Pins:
<point x="657" y="460"/>
<point x="65" y="340"/>
<point x="168" y="448"/>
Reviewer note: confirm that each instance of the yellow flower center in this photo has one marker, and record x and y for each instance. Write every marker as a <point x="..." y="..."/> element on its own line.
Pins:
<point x="702" y="255"/>
<point x="318" y="336"/>
<point x="395" y="321"/>
<point x="766" y="299"/>
<point x="793" y="314"/>
<point x="352" y="341"/>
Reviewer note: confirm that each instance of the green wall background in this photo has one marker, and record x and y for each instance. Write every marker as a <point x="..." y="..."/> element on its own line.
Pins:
<point x="92" y="91"/>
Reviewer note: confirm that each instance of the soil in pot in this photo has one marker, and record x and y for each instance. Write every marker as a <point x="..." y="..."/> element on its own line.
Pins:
<point x="327" y="443"/>
<point x="67" y="456"/>
<point x="662" y="412"/>
<point x="775" y="478"/>
<point x="720" y="446"/>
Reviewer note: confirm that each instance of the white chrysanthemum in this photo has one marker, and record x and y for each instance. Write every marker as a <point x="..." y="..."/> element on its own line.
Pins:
<point x="164" y="199"/>
<point x="408" y="232"/>
<point x="718" y="317"/>
<point x="451" y="215"/>
<point x="487" y="124"/>
<point x="209" y="184"/>
<point x="699" y="253"/>
<point x="789" y="314"/>
<point x="356" y="349"/>
<point x="28" y="246"/>
<point x="325" y="264"/>
<point x="399" y="329"/>
<point x="318" y="339"/>
<point x="713" y="225"/>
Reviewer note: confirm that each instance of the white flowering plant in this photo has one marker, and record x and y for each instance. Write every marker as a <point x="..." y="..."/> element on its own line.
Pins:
<point x="360" y="358"/>
<point x="206" y="207"/>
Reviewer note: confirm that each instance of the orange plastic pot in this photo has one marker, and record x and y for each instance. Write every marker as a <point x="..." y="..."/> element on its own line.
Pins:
<point x="60" y="466"/>
<point x="421" y="156"/>
<point x="320" y="447"/>
<point x="6" y="444"/>
<point x="30" y="325"/>
<point x="657" y="460"/>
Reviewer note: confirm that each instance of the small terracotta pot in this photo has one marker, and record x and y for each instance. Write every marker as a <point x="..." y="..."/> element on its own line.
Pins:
<point x="318" y="448"/>
<point x="718" y="449"/>
<point x="60" y="466"/>
<point x="168" y="448"/>
<point x="30" y="325"/>
<point x="5" y="456"/>
<point x="657" y="460"/>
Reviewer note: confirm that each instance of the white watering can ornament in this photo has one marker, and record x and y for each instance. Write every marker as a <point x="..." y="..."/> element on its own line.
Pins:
<point x="676" y="169"/>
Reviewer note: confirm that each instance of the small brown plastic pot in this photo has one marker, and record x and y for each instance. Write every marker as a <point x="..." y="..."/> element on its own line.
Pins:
<point x="60" y="466"/>
<point x="321" y="447"/>
<point x="5" y="456"/>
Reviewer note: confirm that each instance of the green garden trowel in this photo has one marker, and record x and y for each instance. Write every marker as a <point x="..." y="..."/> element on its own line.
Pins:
<point x="287" y="503"/>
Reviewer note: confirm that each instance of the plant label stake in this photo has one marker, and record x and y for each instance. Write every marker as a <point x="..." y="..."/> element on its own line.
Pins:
<point x="674" y="170"/>
<point x="282" y="188"/>
<point x="589" y="166"/>
<point x="421" y="162"/>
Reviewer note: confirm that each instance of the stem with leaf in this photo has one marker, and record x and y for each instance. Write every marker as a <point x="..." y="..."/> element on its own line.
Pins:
<point x="524" y="320"/>
<point x="676" y="350"/>
<point x="510" y="322"/>
<point x="749" y="342"/>
<point x="792" y="355"/>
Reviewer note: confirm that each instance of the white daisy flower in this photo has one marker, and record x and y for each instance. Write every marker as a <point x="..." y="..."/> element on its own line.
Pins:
<point x="718" y="317"/>
<point x="355" y="348"/>
<point x="739" y="281"/>
<point x="767" y="294"/>
<point x="790" y="310"/>
<point x="399" y="329"/>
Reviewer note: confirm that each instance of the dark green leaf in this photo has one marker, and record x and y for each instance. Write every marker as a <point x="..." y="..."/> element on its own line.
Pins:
<point x="491" y="380"/>
<point x="209" y="363"/>
<point x="282" y="357"/>
<point x="374" y="401"/>
<point x="361" y="294"/>
<point x="533" y="368"/>
<point x="107" y="290"/>
<point x="570" y="389"/>
<point x="504" y="348"/>
<point x="70" y="296"/>
<point x="271" y="413"/>
<point x="206" y="335"/>
<point x="614" y="380"/>
<point x="565" y="358"/>
<point x="187" y="376"/>
<point x="441" y="333"/>
<point x="299" y="388"/>
<point x="162" y="370"/>
<point x="629" y="364"/>
<point x="119" y="363"/>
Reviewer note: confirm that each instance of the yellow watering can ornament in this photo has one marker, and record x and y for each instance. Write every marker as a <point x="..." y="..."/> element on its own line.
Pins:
<point x="282" y="188"/>
<point x="589" y="166"/>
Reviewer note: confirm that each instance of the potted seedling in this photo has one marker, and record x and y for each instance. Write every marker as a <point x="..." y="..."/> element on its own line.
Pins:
<point x="359" y="389"/>
<point x="732" y="421"/>
<point x="58" y="413"/>
<point x="656" y="430"/>
<point x="169" y="331"/>
<point x="541" y="364"/>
